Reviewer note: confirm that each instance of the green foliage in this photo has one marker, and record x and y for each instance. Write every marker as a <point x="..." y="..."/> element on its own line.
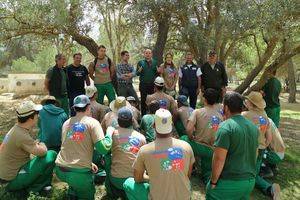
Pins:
<point x="24" y="65"/>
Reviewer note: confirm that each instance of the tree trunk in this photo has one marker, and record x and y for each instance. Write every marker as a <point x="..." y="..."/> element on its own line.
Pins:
<point x="251" y="76"/>
<point x="161" y="40"/>
<point x="292" y="82"/>
<point x="279" y="61"/>
<point x="85" y="41"/>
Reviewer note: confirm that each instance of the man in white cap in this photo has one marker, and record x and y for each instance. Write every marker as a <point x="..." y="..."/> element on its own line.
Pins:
<point x="17" y="169"/>
<point x="256" y="114"/>
<point x="81" y="134"/>
<point x="165" y="101"/>
<point x="98" y="110"/>
<point x="168" y="163"/>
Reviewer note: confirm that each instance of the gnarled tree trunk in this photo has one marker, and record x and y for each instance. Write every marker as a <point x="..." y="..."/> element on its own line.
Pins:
<point x="292" y="82"/>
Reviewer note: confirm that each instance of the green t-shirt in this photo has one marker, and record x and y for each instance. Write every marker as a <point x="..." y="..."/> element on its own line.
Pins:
<point x="147" y="128"/>
<point x="240" y="137"/>
<point x="149" y="72"/>
<point x="272" y="91"/>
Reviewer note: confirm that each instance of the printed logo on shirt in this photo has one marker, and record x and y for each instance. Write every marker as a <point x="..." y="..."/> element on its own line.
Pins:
<point x="214" y="123"/>
<point x="221" y="111"/>
<point x="170" y="159"/>
<point x="103" y="67"/>
<point x="4" y="142"/>
<point x="261" y="122"/>
<point x="171" y="72"/>
<point x="163" y="103"/>
<point x="76" y="133"/>
<point x="190" y="111"/>
<point x="79" y="73"/>
<point x="130" y="144"/>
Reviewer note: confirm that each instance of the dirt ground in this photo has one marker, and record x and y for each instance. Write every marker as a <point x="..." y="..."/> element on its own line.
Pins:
<point x="289" y="171"/>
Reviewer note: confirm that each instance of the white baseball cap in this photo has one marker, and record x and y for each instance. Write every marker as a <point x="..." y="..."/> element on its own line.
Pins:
<point x="90" y="91"/>
<point x="163" y="121"/>
<point x="159" y="81"/>
<point x="27" y="108"/>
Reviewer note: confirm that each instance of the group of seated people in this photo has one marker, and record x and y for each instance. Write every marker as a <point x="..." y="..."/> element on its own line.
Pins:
<point x="144" y="157"/>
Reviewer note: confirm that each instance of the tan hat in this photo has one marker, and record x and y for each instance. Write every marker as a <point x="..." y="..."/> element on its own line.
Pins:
<point x="257" y="99"/>
<point x="48" y="98"/>
<point x="27" y="108"/>
<point x="118" y="103"/>
<point x="90" y="91"/>
<point x="159" y="81"/>
<point x="163" y="121"/>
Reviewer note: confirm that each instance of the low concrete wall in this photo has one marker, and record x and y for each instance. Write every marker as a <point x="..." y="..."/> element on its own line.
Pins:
<point x="23" y="84"/>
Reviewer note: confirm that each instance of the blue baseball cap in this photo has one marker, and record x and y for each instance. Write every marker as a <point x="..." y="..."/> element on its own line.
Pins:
<point x="183" y="100"/>
<point x="81" y="101"/>
<point x="125" y="113"/>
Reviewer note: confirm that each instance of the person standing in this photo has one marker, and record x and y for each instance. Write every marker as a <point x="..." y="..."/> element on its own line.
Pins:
<point x="201" y="130"/>
<point x="17" y="169"/>
<point x="125" y="73"/>
<point x="272" y="91"/>
<point x="190" y="80"/>
<point x="103" y="72"/>
<point x="147" y="70"/>
<point x="80" y="135"/>
<point x="51" y="120"/>
<point x="56" y="82"/>
<point x="168" y="163"/>
<point x="234" y="157"/>
<point x="78" y="76"/>
<point x="214" y="75"/>
<point x="170" y="75"/>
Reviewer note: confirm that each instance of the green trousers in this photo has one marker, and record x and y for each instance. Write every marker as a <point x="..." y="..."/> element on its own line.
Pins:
<point x="274" y="114"/>
<point x="136" y="191"/>
<point x="261" y="183"/>
<point x="80" y="181"/>
<point x="35" y="174"/>
<point x="205" y="153"/>
<point x="230" y="189"/>
<point x="180" y="128"/>
<point x="272" y="158"/>
<point x="64" y="104"/>
<point x="105" y="89"/>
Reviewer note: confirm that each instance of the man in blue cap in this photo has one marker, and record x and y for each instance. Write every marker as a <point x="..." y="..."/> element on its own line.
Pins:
<point x="184" y="111"/>
<point x="80" y="135"/>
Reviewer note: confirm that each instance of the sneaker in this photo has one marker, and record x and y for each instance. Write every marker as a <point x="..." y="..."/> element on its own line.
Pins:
<point x="275" y="191"/>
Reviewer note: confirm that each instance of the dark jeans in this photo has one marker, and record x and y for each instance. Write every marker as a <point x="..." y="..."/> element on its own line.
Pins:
<point x="127" y="90"/>
<point x="71" y="99"/>
<point x="145" y="89"/>
<point x="191" y="93"/>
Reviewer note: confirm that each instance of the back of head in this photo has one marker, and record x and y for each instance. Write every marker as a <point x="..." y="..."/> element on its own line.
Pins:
<point x="234" y="102"/>
<point x="153" y="106"/>
<point x="211" y="96"/>
<point x="125" y="117"/>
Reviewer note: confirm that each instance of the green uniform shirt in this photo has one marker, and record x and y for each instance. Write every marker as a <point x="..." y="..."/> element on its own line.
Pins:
<point x="272" y="91"/>
<point x="240" y="137"/>
<point x="149" y="72"/>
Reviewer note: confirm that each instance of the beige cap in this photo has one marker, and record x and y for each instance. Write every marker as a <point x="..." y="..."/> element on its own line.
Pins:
<point x="118" y="103"/>
<point x="27" y="108"/>
<point x="90" y="91"/>
<point x="159" y="81"/>
<point x="257" y="99"/>
<point x="163" y="121"/>
<point x="47" y="98"/>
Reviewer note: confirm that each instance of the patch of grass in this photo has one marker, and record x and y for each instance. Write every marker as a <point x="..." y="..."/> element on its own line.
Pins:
<point x="290" y="114"/>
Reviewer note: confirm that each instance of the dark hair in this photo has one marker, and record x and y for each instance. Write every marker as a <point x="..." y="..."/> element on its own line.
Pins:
<point x="165" y="63"/>
<point x="160" y="88"/>
<point x="189" y="53"/>
<point x="211" y="95"/>
<point x="77" y="109"/>
<point x="124" y="123"/>
<point x="124" y="52"/>
<point x="77" y="54"/>
<point x="58" y="57"/>
<point x="50" y="101"/>
<point x="153" y="106"/>
<point x="101" y="47"/>
<point x="234" y="102"/>
<point x="24" y="119"/>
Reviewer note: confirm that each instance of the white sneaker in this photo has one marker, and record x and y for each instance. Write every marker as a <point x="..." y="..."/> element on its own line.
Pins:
<point x="275" y="191"/>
